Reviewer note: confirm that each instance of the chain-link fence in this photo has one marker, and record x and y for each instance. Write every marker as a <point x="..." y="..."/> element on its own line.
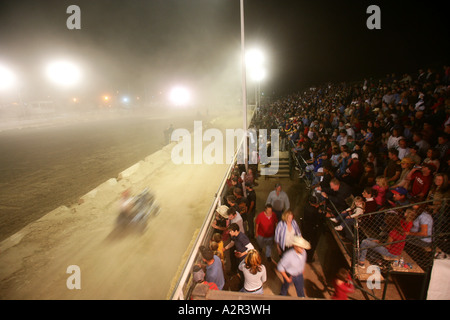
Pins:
<point x="404" y="239"/>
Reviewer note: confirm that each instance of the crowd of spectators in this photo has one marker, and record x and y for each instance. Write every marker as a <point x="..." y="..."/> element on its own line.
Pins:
<point x="383" y="143"/>
<point x="386" y="133"/>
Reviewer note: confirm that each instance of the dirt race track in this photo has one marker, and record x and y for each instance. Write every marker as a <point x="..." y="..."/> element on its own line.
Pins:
<point x="59" y="201"/>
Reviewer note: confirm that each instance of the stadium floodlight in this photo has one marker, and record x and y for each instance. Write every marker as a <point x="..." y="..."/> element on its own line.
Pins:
<point x="63" y="73"/>
<point x="7" y="78"/>
<point x="258" y="74"/>
<point x="254" y="59"/>
<point x="180" y="96"/>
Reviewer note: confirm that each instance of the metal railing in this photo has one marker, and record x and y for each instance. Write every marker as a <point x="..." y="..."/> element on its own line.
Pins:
<point x="184" y="285"/>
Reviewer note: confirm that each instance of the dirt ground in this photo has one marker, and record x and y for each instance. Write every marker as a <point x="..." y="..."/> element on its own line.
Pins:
<point x="60" y="194"/>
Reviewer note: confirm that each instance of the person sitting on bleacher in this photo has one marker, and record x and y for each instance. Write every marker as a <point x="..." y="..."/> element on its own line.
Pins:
<point x="348" y="216"/>
<point x="394" y="244"/>
<point x="422" y="228"/>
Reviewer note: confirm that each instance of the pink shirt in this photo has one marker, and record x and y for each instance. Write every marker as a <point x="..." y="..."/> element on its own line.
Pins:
<point x="380" y="199"/>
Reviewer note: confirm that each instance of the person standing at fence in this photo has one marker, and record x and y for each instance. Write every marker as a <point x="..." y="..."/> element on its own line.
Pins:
<point x="279" y="200"/>
<point x="198" y="277"/>
<point x="251" y="205"/>
<point x="337" y="193"/>
<point x="265" y="225"/>
<point x="292" y="265"/>
<point x="235" y="217"/>
<point x="213" y="267"/>
<point x="240" y="242"/>
<point x="312" y="225"/>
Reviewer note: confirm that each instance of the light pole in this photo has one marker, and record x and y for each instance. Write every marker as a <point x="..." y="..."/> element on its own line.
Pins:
<point x="244" y="86"/>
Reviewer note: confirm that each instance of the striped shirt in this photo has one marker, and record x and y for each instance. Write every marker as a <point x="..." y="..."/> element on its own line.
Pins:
<point x="280" y="233"/>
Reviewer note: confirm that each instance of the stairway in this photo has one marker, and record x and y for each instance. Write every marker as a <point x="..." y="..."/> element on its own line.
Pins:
<point x="278" y="167"/>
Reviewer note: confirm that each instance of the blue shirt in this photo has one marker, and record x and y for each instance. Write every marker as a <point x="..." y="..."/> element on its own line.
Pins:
<point x="292" y="262"/>
<point x="423" y="219"/>
<point x="214" y="273"/>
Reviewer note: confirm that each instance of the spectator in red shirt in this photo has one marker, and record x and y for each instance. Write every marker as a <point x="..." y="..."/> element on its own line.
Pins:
<point x="265" y="224"/>
<point x="354" y="170"/>
<point x="420" y="180"/>
<point x="394" y="242"/>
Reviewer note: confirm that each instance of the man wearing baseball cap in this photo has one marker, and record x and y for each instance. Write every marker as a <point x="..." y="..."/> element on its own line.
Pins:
<point x="292" y="265"/>
<point x="399" y="196"/>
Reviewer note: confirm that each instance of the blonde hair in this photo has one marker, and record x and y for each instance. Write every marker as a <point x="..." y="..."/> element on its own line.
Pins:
<point x="214" y="246"/>
<point x="286" y="214"/>
<point x="253" y="261"/>
<point x="382" y="181"/>
<point x="359" y="199"/>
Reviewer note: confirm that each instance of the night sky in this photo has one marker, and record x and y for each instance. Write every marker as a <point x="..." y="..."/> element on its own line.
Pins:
<point x="150" y="44"/>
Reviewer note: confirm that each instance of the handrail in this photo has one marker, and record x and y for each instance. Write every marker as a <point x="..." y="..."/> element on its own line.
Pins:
<point x="201" y="236"/>
<point x="178" y="291"/>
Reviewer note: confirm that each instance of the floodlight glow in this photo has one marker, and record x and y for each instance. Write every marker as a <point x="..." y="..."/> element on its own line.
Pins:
<point x="258" y="74"/>
<point x="7" y="78"/>
<point x="63" y="73"/>
<point x="180" y="96"/>
<point x="125" y="99"/>
<point x="254" y="58"/>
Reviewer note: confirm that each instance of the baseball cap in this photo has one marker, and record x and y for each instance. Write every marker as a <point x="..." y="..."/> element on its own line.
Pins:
<point x="400" y="190"/>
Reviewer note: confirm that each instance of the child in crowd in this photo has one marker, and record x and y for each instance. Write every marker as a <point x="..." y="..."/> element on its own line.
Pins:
<point x="216" y="245"/>
<point x="348" y="216"/>
<point x="381" y="187"/>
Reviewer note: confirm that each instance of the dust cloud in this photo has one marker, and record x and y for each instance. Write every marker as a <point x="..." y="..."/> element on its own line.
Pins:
<point x="114" y="265"/>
